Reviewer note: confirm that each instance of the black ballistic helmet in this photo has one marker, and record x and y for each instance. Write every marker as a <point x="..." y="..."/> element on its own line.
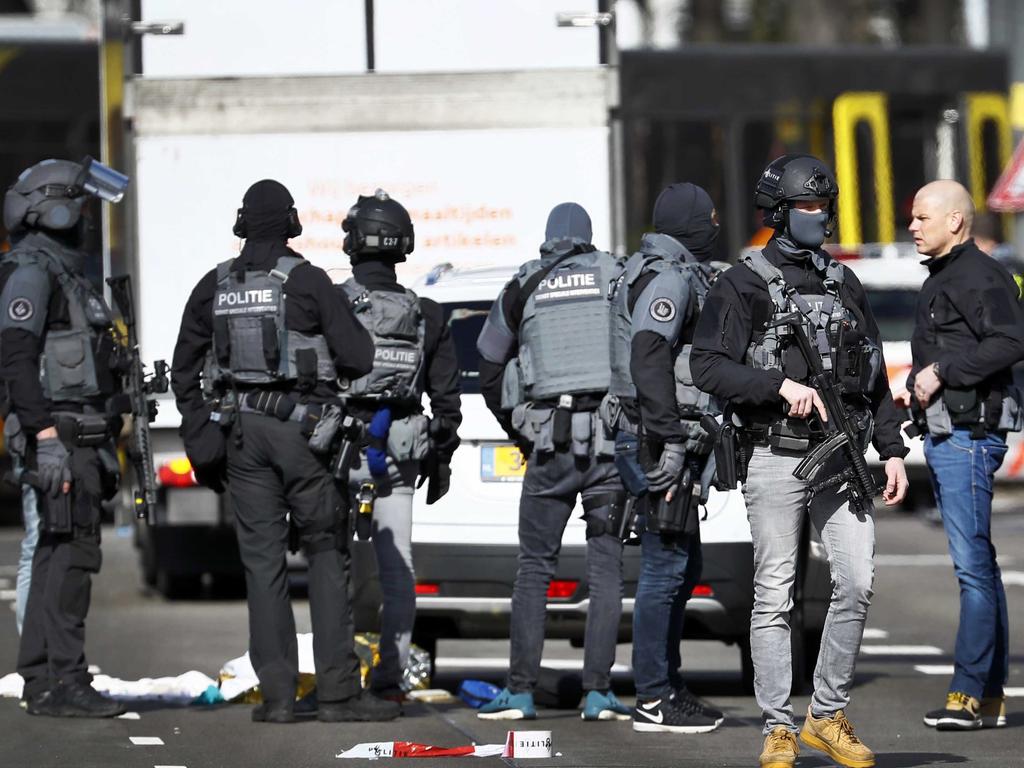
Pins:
<point x="50" y="194"/>
<point x="794" y="177"/>
<point x="378" y="226"/>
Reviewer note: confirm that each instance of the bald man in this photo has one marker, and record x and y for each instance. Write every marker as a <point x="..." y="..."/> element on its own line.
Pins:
<point x="969" y="332"/>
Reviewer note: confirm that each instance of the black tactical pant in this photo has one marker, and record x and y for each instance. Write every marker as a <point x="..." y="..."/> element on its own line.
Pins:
<point x="53" y="637"/>
<point x="271" y="474"/>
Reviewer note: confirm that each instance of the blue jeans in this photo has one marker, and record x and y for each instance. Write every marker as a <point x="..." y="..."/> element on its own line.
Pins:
<point x="962" y="470"/>
<point x="670" y="568"/>
<point x="30" y="512"/>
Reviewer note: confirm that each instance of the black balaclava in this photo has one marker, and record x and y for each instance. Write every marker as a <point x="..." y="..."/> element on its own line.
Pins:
<point x="685" y="211"/>
<point x="266" y="205"/>
<point x="568" y="221"/>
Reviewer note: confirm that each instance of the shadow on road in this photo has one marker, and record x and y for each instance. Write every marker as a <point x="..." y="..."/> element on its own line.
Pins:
<point x="892" y="760"/>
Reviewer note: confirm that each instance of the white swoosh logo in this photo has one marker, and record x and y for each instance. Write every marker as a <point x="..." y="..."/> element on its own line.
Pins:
<point x="649" y="716"/>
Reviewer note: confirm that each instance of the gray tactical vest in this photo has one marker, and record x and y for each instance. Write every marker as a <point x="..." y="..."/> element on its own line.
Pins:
<point x="822" y="313"/>
<point x="564" y="333"/>
<point x="67" y="368"/>
<point x="395" y="321"/>
<point x="692" y="401"/>
<point x="251" y="344"/>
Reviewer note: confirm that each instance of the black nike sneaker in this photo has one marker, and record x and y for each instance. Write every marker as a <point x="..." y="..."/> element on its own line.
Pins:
<point x="683" y="694"/>
<point x="671" y="715"/>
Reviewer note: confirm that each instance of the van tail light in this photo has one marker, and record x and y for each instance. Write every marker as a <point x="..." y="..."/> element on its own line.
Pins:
<point x="176" y="473"/>
<point x="562" y="589"/>
<point x="703" y="590"/>
<point x="423" y="588"/>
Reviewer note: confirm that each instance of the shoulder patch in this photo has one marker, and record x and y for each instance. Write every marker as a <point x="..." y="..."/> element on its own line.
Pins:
<point x="663" y="310"/>
<point x="20" y="309"/>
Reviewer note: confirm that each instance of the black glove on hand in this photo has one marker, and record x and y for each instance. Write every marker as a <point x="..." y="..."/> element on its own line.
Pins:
<point x="669" y="469"/>
<point x="53" y="466"/>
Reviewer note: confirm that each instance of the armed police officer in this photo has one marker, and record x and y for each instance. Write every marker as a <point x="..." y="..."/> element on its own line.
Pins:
<point x="268" y="337"/>
<point x="61" y="369"/>
<point x="414" y="353"/>
<point x="786" y="316"/>
<point x="969" y="332"/>
<point x="544" y="370"/>
<point x="655" y="309"/>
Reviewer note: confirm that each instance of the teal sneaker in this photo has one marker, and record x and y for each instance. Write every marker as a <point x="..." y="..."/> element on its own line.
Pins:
<point x="509" y="706"/>
<point x="604" y="706"/>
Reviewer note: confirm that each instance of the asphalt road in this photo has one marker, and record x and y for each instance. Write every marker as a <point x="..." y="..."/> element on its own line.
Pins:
<point x="901" y="673"/>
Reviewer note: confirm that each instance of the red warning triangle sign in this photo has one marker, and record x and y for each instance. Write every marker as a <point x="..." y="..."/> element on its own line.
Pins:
<point x="1008" y="194"/>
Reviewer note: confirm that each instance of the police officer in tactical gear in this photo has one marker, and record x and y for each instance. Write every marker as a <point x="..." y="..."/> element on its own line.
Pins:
<point x="414" y="353"/>
<point x="267" y="336"/>
<point x="61" y="370"/>
<point x="743" y="357"/>
<point x="655" y="308"/>
<point x="544" y="370"/>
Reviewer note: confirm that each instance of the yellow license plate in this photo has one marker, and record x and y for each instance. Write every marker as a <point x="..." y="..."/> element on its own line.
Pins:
<point x="501" y="464"/>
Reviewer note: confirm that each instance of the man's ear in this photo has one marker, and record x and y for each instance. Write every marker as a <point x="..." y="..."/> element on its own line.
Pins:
<point x="956" y="221"/>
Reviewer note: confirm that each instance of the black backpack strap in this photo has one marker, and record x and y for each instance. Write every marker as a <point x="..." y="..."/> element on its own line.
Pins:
<point x="638" y="287"/>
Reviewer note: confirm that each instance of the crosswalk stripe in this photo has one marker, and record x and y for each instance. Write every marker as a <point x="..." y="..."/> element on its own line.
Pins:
<point x="875" y="634"/>
<point x="1014" y="692"/>
<point x="1013" y="578"/>
<point x="900" y="650"/>
<point x="934" y="669"/>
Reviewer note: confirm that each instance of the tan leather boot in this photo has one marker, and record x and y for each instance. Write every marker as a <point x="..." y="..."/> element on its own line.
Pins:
<point x="835" y="737"/>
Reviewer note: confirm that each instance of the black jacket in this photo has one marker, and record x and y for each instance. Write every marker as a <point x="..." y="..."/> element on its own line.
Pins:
<point x="20" y="350"/>
<point x="441" y="374"/>
<point x="737" y="309"/>
<point x="313" y="306"/>
<point x="969" y="321"/>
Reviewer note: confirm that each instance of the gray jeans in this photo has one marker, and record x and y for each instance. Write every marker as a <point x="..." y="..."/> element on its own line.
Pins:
<point x="392" y="544"/>
<point x="776" y="505"/>
<point x="550" y="488"/>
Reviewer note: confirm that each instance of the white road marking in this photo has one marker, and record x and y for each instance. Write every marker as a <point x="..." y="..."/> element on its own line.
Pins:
<point x="1014" y="692"/>
<point x="914" y="561"/>
<point x="464" y="662"/>
<point x="170" y="766"/>
<point x="875" y="634"/>
<point x="129" y="716"/>
<point x="8" y="594"/>
<point x="934" y="669"/>
<point x="1013" y="578"/>
<point x="900" y="650"/>
<point x="146" y="741"/>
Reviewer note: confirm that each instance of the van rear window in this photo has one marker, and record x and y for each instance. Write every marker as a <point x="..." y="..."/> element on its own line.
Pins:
<point x="465" y="321"/>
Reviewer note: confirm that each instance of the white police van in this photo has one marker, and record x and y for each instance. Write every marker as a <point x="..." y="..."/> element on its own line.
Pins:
<point x="465" y="546"/>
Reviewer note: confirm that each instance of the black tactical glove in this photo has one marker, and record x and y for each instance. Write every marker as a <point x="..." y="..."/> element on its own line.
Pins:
<point x="53" y="466"/>
<point x="669" y="469"/>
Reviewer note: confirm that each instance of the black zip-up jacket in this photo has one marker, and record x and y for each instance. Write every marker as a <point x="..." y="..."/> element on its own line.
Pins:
<point x="969" y="321"/>
<point x="312" y="306"/>
<point x="736" y="311"/>
<point x="441" y="374"/>
<point x="20" y="349"/>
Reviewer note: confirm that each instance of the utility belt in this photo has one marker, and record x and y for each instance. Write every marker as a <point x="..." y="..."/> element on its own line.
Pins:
<point x="996" y="411"/>
<point x="563" y="428"/>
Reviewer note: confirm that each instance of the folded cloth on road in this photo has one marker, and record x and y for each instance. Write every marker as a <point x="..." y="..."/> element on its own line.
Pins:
<point x="183" y="689"/>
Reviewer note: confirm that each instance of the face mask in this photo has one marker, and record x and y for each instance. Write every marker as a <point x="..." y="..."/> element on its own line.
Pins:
<point x="807" y="229"/>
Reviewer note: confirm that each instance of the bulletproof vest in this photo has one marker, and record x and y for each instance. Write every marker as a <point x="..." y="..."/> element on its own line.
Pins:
<point x="251" y="344"/>
<point x="395" y="321"/>
<point x="71" y="357"/>
<point x="824" y="318"/>
<point x="564" y="333"/>
<point x="638" y="273"/>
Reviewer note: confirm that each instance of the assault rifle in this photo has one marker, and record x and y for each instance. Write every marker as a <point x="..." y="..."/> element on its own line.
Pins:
<point x="841" y="433"/>
<point x="140" y="387"/>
